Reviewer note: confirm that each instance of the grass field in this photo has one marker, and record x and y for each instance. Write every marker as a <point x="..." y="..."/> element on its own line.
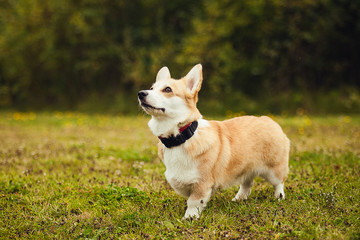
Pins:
<point x="71" y="175"/>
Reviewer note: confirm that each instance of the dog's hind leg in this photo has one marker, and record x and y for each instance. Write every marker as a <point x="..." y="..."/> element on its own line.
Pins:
<point x="278" y="183"/>
<point x="245" y="189"/>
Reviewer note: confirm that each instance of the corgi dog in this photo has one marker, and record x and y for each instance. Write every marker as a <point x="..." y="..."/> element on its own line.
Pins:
<point x="202" y="156"/>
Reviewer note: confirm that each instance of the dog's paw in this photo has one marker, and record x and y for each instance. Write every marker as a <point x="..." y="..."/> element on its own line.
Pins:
<point x="279" y="192"/>
<point x="241" y="195"/>
<point x="192" y="213"/>
<point x="236" y="199"/>
<point x="280" y="195"/>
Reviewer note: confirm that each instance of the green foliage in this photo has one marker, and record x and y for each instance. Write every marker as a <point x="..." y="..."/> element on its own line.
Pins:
<point x="280" y="53"/>
<point x="12" y="187"/>
<point x="265" y="55"/>
<point x="114" y="193"/>
<point x="61" y="52"/>
<point x="63" y="175"/>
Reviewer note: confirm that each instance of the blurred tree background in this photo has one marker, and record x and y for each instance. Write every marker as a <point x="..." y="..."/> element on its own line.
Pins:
<point x="257" y="55"/>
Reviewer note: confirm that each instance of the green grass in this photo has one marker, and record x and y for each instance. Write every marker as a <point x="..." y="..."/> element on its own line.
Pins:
<point x="74" y="176"/>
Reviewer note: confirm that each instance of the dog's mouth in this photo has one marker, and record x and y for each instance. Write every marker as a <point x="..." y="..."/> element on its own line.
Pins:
<point x="148" y="106"/>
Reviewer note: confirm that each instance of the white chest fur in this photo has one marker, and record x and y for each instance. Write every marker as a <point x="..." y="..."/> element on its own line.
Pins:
<point x="181" y="171"/>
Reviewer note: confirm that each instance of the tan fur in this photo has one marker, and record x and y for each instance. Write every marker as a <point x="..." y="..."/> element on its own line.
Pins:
<point x="227" y="150"/>
<point x="220" y="153"/>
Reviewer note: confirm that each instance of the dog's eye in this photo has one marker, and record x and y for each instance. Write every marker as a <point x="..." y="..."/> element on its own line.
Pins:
<point x="151" y="88"/>
<point x="167" y="89"/>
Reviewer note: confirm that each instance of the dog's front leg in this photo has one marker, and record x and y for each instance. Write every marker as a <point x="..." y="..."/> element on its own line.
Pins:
<point x="197" y="202"/>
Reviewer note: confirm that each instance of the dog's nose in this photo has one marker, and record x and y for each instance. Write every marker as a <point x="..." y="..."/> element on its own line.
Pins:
<point x="142" y="94"/>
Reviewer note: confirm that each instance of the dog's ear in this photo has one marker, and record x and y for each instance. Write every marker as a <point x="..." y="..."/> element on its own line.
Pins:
<point x="194" y="79"/>
<point x="163" y="73"/>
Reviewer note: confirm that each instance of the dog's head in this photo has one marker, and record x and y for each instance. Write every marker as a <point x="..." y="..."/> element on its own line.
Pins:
<point x="172" y="98"/>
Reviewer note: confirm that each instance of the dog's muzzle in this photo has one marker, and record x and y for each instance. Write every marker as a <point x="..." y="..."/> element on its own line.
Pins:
<point x="142" y="98"/>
